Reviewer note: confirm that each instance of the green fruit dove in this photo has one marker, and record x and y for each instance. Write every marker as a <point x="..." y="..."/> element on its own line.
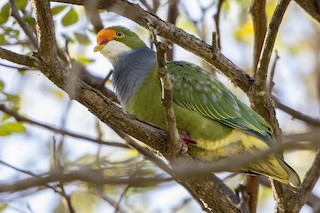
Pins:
<point x="209" y="117"/>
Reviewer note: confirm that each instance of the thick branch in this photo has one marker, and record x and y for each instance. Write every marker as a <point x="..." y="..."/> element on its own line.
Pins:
<point x="312" y="7"/>
<point x="45" y="29"/>
<point x="259" y="96"/>
<point x="259" y="19"/>
<point x="310" y="180"/>
<point x="174" y="145"/>
<point x="17" y="58"/>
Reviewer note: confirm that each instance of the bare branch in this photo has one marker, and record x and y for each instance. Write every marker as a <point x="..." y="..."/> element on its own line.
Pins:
<point x="259" y="95"/>
<point x="45" y="29"/>
<point x="273" y="70"/>
<point x="31" y="174"/>
<point x="18" y="68"/>
<point x="57" y="130"/>
<point x="23" y="24"/>
<point x="90" y="176"/>
<point x="93" y="15"/>
<point x="216" y="17"/>
<point x="296" y="114"/>
<point x="174" y="146"/>
<point x="312" y="7"/>
<point x="173" y="13"/>
<point x="308" y="183"/>
<point x="17" y="58"/>
<point x="259" y="18"/>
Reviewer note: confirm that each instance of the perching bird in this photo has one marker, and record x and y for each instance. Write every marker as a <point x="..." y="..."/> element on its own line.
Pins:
<point x="208" y="115"/>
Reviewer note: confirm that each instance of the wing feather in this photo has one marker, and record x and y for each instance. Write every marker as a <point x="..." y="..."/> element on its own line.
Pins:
<point x="197" y="90"/>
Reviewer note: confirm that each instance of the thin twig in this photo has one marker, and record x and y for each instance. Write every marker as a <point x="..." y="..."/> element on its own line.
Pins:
<point x="144" y="151"/>
<point x="94" y="15"/>
<point x="23" y="24"/>
<point x="272" y="72"/>
<point x="103" y="82"/>
<point x="58" y="130"/>
<point x="216" y="17"/>
<point x="259" y="19"/>
<point x="296" y="114"/>
<point x="308" y="184"/>
<point x="31" y="174"/>
<point x="173" y="13"/>
<point x="18" y="68"/>
<point x="89" y="176"/>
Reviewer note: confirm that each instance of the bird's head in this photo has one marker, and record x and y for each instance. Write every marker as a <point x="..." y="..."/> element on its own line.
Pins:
<point x="115" y="40"/>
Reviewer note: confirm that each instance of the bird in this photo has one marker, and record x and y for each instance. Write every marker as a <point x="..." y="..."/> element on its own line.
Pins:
<point x="210" y="119"/>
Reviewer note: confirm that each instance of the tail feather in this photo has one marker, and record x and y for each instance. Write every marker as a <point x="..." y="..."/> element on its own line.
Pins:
<point x="293" y="178"/>
<point x="275" y="168"/>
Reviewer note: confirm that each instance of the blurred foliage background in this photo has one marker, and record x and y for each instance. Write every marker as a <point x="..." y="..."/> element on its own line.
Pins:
<point x="29" y="149"/>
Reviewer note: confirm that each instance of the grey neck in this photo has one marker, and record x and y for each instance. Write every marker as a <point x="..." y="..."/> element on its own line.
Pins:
<point x="130" y="71"/>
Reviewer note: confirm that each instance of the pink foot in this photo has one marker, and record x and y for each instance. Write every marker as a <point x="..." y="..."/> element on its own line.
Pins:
<point x="185" y="141"/>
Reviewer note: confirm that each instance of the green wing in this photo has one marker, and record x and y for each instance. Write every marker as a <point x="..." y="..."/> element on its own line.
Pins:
<point x="197" y="90"/>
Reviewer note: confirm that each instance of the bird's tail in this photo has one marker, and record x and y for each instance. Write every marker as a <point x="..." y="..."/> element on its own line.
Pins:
<point x="293" y="178"/>
<point x="275" y="168"/>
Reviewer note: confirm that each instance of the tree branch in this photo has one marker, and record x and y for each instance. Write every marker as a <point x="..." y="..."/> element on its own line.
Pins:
<point x="45" y="29"/>
<point x="216" y="18"/>
<point x="259" y="18"/>
<point x="259" y="95"/>
<point x="22" y="23"/>
<point x="86" y="175"/>
<point x="312" y="7"/>
<point x="57" y="130"/>
<point x="310" y="180"/>
<point x="296" y="114"/>
<point x="174" y="145"/>
<point x="17" y="58"/>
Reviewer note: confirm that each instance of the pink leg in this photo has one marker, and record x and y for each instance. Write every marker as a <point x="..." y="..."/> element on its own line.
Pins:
<point x="185" y="141"/>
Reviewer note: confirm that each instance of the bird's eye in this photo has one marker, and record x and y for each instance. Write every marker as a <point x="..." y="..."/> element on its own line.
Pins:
<point x="119" y="34"/>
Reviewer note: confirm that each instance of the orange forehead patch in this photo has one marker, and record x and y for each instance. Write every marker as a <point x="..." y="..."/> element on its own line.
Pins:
<point x="106" y="35"/>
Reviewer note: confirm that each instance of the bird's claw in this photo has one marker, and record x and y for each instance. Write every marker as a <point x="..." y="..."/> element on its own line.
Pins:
<point x="185" y="141"/>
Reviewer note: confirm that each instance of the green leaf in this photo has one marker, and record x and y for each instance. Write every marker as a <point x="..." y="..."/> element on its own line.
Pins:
<point x="82" y="38"/>
<point x="5" y="117"/>
<point x="83" y="202"/>
<point x="85" y="61"/>
<point x="9" y="128"/>
<point x="30" y="20"/>
<point x="21" y="4"/>
<point x="4" y="13"/>
<point x="70" y="18"/>
<point x="3" y="206"/>
<point x="15" y="99"/>
<point x="58" y="9"/>
<point x="2" y="39"/>
<point x="16" y="127"/>
<point x="1" y="85"/>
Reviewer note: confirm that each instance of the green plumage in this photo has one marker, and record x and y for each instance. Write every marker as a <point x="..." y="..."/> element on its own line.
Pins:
<point x="205" y="109"/>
